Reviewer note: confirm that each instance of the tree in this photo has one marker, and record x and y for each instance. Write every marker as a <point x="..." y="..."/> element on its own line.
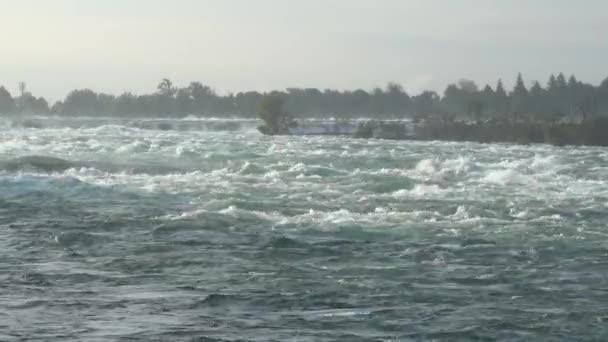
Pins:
<point x="555" y="102"/>
<point x="520" y="87"/>
<point x="463" y="98"/>
<point x="58" y="108"/>
<point x="426" y="104"/>
<point x="202" y="97"/>
<point x="81" y="102"/>
<point x="501" y="100"/>
<point x="536" y="90"/>
<point x="536" y="98"/>
<point x="271" y="111"/>
<point x="467" y="86"/>
<point x="587" y="102"/>
<point x="360" y="102"/>
<point x="519" y="97"/>
<point x="105" y="104"/>
<point x="560" y="99"/>
<point x="397" y="98"/>
<point x="7" y="104"/>
<point x="162" y="103"/>
<point x="602" y="95"/>
<point x="572" y="82"/>
<point x="552" y="84"/>
<point x="378" y="102"/>
<point x="165" y="87"/>
<point x="452" y="99"/>
<point x="476" y="108"/>
<point x="184" y="101"/>
<point x="24" y="97"/>
<point x="561" y="82"/>
<point x="487" y="97"/>
<point x="246" y="103"/>
<point x="126" y="104"/>
<point x="32" y="105"/>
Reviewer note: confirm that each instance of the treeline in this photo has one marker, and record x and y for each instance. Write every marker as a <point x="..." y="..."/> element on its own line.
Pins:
<point x="560" y="98"/>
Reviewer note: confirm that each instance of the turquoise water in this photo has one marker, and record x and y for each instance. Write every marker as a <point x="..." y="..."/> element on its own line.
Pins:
<point x="191" y="231"/>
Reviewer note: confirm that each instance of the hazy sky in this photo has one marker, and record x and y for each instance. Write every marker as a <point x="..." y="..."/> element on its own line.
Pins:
<point x="233" y="45"/>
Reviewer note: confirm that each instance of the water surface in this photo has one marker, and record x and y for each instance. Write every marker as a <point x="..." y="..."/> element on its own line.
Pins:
<point x="187" y="230"/>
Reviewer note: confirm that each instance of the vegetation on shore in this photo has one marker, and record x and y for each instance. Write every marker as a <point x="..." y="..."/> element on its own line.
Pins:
<point x="561" y="98"/>
<point x="585" y="132"/>
<point x="592" y="132"/>
<point x="565" y="111"/>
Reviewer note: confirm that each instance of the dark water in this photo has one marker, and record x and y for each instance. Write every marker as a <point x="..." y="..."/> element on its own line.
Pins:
<point x="164" y="234"/>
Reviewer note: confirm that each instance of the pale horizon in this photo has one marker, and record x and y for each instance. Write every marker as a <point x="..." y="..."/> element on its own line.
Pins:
<point x="237" y="45"/>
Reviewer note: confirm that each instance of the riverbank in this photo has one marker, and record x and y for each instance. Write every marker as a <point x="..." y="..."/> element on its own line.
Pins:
<point x="593" y="132"/>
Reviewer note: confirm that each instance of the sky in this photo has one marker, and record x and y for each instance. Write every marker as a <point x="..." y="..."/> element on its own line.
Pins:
<point x="115" y="46"/>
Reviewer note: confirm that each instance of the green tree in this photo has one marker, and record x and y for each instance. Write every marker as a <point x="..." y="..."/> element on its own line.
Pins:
<point x="501" y="100"/>
<point x="184" y="101"/>
<point x="246" y="103"/>
<point x="126" y="104"/>
<point x="105" y="104"/>
<point x="519" y="98"/>
<point x="378" y="102"/>
<point x="561" y="82"/>
<point x="7" y="103"/>
<point x="32" y="105"/>
<point x="166" y="88"/>
<point x="397" y="99"/>
<point x="271" y="110"/>
<point x="57" y="108"/>
<point x="551" y="84"/>
<point x="468" y="86"/>
<point x="463" y="98"/>
<point x="81" y="102"/>
<point x="487" y="98"/>
<point x="536" y="99"/>
<point x="426" y="104"/>
<point x="601" y="94"/>
<point x="203" y="98"/>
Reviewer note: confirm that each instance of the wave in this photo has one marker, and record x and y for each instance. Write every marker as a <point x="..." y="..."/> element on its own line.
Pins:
<point x="189" y="123"/>
<point x="86" y="170"/>
<point x="36" y="163"/>
<point x="155" y="124"/>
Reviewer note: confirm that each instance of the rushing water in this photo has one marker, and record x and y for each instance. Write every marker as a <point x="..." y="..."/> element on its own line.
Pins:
<point x="140" y="232"/>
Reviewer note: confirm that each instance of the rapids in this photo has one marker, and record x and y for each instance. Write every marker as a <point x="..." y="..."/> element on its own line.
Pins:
<point x="151" y="229"/>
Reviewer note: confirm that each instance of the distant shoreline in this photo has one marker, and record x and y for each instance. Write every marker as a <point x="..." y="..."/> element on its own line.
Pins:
<point x="591" y="132"/>
<point x="559" y="98"/>
<point x="588" y="133"/>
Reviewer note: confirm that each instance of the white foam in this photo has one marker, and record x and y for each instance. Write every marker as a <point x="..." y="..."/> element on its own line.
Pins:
<point x="426" y="167"/>
<point x="504" y="177"/>
<point x="419" y="190"/>
<point x="134" y="147"/>
<point x="293" y="170"/>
